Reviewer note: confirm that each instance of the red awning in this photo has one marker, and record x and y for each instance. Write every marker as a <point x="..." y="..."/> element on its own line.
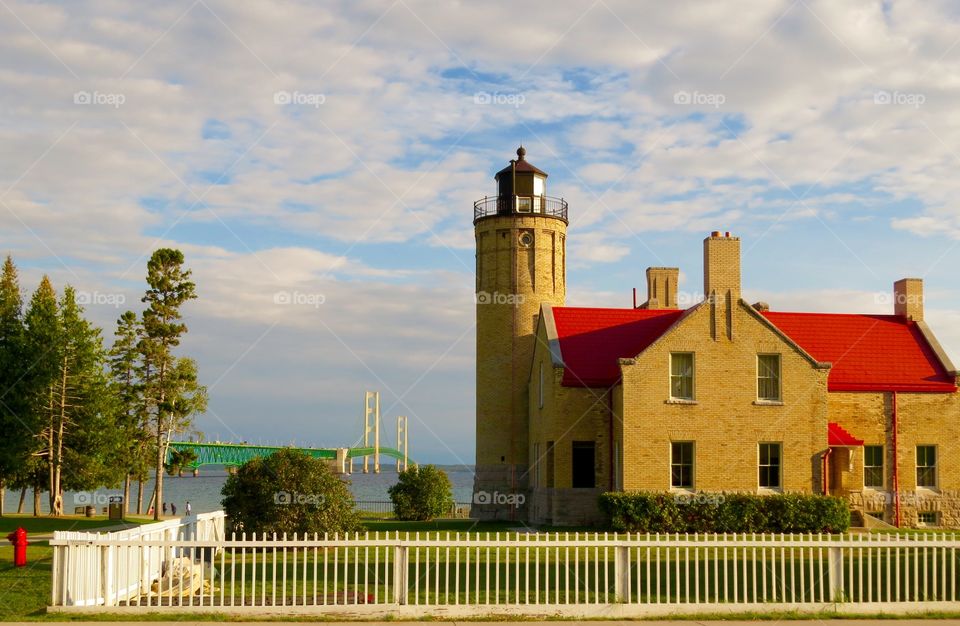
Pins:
<point x="837" y="436"/>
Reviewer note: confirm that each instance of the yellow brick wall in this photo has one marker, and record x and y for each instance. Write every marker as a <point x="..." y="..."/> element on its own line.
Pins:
<point x="923" y="419"/>
<point x="725" y="422"/>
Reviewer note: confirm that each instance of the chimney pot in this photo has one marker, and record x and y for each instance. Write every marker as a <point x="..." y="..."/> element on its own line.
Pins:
<point x="715" y="233"/>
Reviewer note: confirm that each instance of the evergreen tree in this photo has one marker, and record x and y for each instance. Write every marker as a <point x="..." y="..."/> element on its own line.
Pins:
<point x="81" y="433"/>
<point x="12" y="445"/>
<point x="41" y="357"/>
<point x="171" y="397"/>
<point x="126" y="370"/>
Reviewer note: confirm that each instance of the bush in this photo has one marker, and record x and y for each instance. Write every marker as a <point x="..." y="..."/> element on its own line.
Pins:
<point x="421" y="494"/>
<point x="288" y="492"/>
<point x="725" y="513"/>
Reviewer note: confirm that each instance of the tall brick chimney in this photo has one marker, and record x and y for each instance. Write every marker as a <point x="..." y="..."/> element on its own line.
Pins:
<point x="908" y="298"/>
<point x="721" y="265"/>
<point x="662" y="287"/>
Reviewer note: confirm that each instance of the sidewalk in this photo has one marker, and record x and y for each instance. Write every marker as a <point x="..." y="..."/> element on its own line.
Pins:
<point x="832" y="622"/>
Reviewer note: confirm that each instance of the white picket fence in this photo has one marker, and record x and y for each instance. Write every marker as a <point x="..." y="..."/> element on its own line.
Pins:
<point x="90" y="570"/>
<point x="566" y="574"/>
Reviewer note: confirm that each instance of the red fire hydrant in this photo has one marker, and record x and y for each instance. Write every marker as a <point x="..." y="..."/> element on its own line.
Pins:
<point x="19" y="540"/>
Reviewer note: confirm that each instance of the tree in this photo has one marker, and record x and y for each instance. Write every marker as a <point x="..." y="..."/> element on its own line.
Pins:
<point x="180" y="459"/>
<point x="127" y="386"/>
<point x="288" y="492"/>
<point x="13" y="448"/>
<point x="421" y="494"/>
<point x="168" y="409"/>
<point x="42" y="359"/>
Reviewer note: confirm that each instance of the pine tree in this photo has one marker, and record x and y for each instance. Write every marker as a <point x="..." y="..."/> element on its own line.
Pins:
<point x="41" y="356"/>
<point x="170" y="396"/>
<point x="125" y="371"/>
<point x="12" y="448"/>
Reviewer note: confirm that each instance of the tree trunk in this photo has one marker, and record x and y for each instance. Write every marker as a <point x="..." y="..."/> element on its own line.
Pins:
<point x="3" y="497"/>
<point x="158" y="487"/>
<point x="56" y="452"/>
<point x="126" y="495"/>
<point x="36" y="500"/>
<point x="23" y="498"/>
<point x="139" y="495"/>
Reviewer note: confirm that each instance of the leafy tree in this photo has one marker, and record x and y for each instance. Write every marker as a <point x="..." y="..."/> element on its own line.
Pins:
<point x="13" y="445"/>
<point x="171" y="398"/>
<point x="422" y="494"/>
<point x="180" y="459"/>
<point x="288" y="492"/>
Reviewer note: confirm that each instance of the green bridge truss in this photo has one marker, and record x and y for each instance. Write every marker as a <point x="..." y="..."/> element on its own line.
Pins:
<point x="237" y="454"/>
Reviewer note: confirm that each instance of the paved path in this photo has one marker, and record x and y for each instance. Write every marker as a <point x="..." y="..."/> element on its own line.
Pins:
<point x="832" y="622"/>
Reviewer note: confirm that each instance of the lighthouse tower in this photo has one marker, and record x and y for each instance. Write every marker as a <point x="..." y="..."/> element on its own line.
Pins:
<point x="521" y="263"/>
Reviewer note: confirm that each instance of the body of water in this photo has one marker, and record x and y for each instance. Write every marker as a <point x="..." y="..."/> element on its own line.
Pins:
<point x="203" y="491"/>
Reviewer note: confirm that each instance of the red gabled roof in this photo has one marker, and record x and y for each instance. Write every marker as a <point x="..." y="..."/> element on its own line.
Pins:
<point x="592" y="340"/>
<point x="838" y="436"/>
<point x="868" y="352"/>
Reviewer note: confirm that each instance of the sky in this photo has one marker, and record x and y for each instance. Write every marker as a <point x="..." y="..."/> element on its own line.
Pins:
<point x="317" y="162"/>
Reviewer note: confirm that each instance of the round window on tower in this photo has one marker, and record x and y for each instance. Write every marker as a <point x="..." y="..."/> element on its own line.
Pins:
<point x="526" y="239"/>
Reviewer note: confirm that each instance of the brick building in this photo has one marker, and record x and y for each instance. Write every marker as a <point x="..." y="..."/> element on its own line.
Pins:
<point x="723" y="396"/>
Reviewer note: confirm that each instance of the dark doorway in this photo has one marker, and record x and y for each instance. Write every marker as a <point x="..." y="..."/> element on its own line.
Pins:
<point x="584" y="465"/>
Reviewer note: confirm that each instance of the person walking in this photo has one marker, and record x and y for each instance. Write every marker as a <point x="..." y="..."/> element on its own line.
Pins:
<point x="173" y="508"/>
<point x="164" y="508"/>
<point x="189" y="509"/>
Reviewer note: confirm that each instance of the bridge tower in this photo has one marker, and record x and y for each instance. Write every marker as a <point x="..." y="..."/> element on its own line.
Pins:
<point x="371" y="424"/>
<point x="402" y="442"/>
<point x="521" y="263"/>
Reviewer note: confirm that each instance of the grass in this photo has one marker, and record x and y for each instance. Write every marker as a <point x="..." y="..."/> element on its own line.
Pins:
<point x="45" y="525"/>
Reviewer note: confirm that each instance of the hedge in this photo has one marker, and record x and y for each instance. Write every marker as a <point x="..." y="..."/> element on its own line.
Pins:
<point x="725" y="513"/>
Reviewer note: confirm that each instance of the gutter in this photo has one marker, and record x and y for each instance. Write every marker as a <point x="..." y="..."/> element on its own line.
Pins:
<point x="896" y="454"/>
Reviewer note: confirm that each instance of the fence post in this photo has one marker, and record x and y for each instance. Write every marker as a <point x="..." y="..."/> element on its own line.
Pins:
<point x="106" y="572"/>
<point x="621" y="564"/>
<point x="400" y="570"/>
<point x="835" y="574"/>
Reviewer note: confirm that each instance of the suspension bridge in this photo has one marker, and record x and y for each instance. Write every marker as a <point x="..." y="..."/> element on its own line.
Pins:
<point x="367" y="448"/>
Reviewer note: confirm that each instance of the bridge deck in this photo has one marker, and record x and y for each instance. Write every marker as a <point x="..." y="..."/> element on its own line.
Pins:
<point x="237" y="453"/>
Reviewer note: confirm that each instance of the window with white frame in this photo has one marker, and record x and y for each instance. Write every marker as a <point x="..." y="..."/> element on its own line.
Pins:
<point x="768" y="377"/>
<point x="681" y="376"/>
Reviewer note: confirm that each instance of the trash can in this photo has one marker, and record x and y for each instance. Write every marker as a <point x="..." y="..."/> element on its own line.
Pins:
<point x="115" y="509"/>
<point x="90" y="511"/>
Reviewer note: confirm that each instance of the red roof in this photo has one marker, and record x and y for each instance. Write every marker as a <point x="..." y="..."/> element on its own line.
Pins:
<point x="837" y="436"/>
<point x="592" y="340"/>
<point x="868" y="352"/>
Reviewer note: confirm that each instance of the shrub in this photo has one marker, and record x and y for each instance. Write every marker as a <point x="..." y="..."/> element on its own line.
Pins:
<point x="725" y="513"/>
<point x="421" y="494"/>
<point x="288" y="492"/>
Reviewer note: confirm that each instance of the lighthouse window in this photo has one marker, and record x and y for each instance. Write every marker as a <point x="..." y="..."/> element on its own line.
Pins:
<point x="524" y="205"/>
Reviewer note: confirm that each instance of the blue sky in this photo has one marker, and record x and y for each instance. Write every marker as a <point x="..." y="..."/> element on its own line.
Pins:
<point x="317" y="164"/>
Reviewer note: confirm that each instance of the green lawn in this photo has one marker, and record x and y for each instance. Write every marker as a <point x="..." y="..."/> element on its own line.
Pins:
<point x="45" y="525"/>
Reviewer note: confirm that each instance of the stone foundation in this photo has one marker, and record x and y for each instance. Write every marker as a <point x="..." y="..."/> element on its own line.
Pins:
<point x="499" y="493"/>
<point x="945" y="504"/>
<point x="566" y="507"/>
